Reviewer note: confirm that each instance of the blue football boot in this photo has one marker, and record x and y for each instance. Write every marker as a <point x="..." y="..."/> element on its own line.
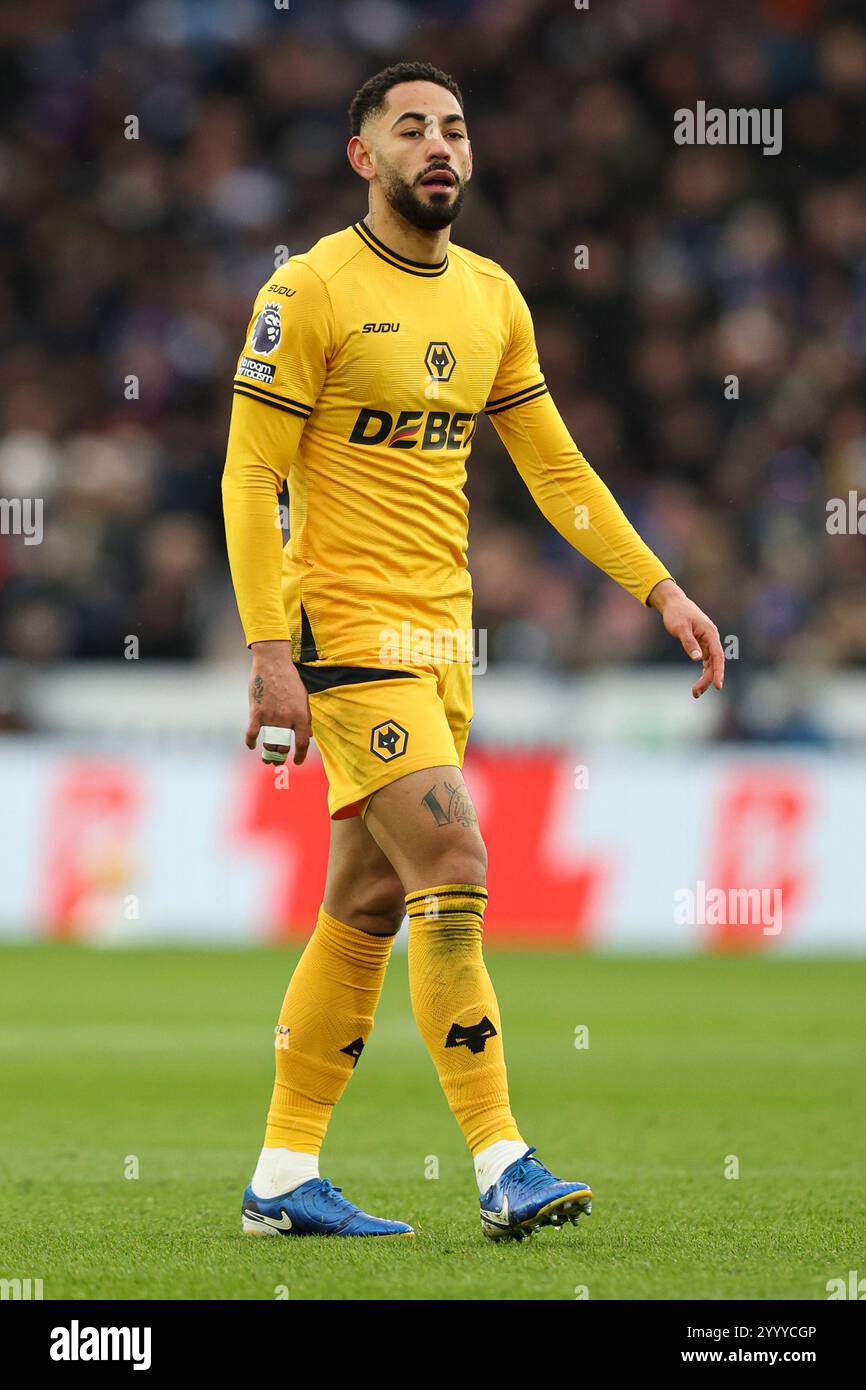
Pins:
<point x="528" y="1196"/>
<point x="315" y="1208"/>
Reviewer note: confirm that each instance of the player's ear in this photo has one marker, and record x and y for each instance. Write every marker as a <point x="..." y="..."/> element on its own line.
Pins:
<point x="469" y="165"/>
<point x="359" y="157"/>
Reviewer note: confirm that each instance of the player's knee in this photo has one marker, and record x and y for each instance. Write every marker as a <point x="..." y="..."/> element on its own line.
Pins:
<point x="378" y="905"/>
<point x="461" y="863"/>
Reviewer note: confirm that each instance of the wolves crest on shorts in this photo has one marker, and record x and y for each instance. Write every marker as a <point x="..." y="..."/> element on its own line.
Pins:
<point x="267" y="330"/>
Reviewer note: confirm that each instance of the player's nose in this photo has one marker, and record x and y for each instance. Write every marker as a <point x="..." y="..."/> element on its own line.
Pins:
<point x="437" y="147"/>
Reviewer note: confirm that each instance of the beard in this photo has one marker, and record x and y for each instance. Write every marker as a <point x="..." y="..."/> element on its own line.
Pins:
<point x="430" y="216"/>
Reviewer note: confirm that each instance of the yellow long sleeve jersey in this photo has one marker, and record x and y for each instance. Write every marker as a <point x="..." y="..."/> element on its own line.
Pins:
<point x="361" y="381"/>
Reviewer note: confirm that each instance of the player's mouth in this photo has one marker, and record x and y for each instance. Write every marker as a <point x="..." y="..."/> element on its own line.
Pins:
<point x="439" y="180"/>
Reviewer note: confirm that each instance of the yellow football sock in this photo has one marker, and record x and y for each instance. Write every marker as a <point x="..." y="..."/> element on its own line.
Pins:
<point x="456" y="1010"/>
<point x="326" y="1018"/>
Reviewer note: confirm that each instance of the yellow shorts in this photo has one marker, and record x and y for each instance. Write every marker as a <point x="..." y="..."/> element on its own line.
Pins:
<point x="373" y="724"/>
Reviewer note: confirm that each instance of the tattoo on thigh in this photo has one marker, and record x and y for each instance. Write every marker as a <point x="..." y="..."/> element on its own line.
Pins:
<point x="459" y="808"/>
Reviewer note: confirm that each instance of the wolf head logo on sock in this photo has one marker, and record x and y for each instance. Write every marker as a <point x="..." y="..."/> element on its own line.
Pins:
<point x="354" y="1049"/>
<point x="474" y="1037"/>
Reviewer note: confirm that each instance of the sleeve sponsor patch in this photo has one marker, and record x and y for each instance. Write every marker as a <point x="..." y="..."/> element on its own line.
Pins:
<point x="257" y="371"/>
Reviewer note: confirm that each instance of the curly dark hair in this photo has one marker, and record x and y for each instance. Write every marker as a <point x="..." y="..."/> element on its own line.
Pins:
<point x="371" y="97"/>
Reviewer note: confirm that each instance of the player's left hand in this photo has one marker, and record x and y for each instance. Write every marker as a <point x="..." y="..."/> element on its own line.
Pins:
<point x="698" y="633"/>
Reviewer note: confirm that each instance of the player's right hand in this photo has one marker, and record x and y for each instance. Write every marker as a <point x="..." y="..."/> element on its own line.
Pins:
<point x="277" y="696"/>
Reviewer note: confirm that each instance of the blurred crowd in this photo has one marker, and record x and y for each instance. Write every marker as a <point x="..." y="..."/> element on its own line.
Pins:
<point x="710" y="360"/>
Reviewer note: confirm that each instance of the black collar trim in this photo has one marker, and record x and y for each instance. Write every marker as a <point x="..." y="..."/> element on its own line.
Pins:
<point x="399" y="262"/>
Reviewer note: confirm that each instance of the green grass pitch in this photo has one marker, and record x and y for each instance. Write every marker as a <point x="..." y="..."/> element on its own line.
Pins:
<point x="166" y="1054"/>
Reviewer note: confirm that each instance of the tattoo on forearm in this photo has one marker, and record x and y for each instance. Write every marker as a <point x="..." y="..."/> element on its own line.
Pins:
<point x="458" y="810"/>
<point x="257" y="690"/>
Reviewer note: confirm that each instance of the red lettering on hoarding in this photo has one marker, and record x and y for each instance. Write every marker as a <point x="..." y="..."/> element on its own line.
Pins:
<point x="535" y="897"/>
<point x="291" y="822"/>
<point x="87" y="845"/>
<point x="758" y="843"/>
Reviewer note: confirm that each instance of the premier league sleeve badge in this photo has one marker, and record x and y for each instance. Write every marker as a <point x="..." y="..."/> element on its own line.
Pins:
<point x="267" y="330"/>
